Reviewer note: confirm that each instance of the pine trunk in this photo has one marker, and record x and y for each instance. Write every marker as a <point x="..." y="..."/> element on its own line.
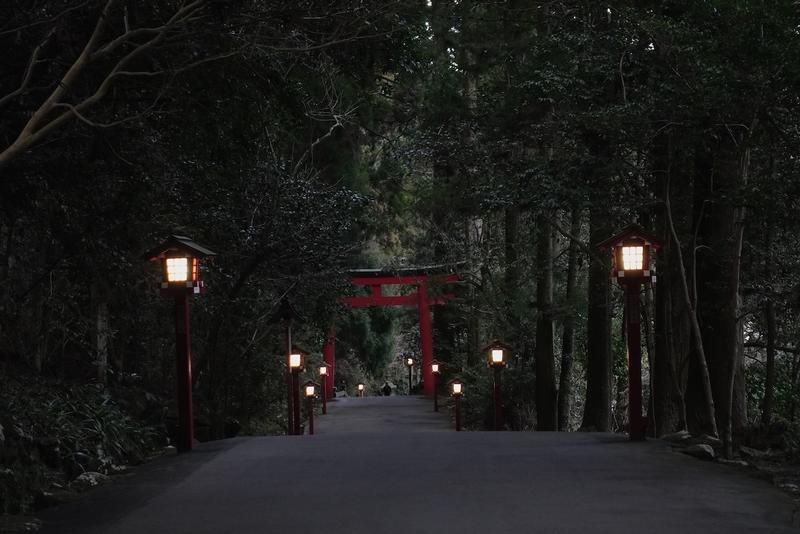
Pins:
<point x="597" y="411"/>
<point x="545" y="369"/>
<point x="671" y="337"/>
<point x="568" y="328"/>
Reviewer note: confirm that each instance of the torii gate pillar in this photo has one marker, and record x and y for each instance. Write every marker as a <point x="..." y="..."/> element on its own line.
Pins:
<point x="425" y="337"/>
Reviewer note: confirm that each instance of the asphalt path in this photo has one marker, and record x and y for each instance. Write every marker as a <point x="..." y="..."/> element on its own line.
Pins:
<point x="391" y="465"/>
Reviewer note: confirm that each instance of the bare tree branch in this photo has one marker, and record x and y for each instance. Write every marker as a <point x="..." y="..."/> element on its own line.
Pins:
<point x="39" y="126"/>
<point x="26" y="78"/>
<point x="48" y="22"/>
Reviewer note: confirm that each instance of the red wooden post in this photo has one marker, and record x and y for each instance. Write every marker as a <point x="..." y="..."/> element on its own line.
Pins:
<point x="425" y="337"/>
<point x="632" y="266"/>
<point x="296" y="400"/>
<point x="458" y="413"/>
<point x="329" y="356"/>
<point x="498" y="400"/>
<point x="435" y="393"/>
<point x="633" y="335"/>
<point x="180" y="258"/>
<point x="310" y="410"/>
<point x="324" y="394"/>
<point x="183" y="359"/>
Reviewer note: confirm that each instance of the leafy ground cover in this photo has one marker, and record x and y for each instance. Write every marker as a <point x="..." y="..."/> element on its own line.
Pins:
<point x="57" y="437"/>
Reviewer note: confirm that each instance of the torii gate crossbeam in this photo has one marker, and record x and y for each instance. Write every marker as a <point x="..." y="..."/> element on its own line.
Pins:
<point x="376" y="279"/>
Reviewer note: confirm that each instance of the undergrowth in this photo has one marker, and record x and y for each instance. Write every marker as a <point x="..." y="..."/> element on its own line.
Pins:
<point x="52" y="431"/>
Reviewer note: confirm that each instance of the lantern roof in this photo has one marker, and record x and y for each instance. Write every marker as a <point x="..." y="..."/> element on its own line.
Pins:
<point x="285" y="312"/>
<point x="296" y="349"/>
<point x="179" y="243"/>
<point x="632" y="231"/>
<point x="497" y="344"/>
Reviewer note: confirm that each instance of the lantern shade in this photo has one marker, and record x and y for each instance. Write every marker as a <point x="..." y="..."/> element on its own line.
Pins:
<point x="360" y="387"/>
<point x="180" y="260"/>
<point x="631" y="254"/>
<point x="323" y="370"/>
<point x="632" y="258"/>
<point x="297" y="358"/>
<point x="456" y="387"/>
<point x="409" y="362"/>
<point x="497" y="353"/>
<point x="310" y="389"/>
<point x="436" y="367"/>
<point x="178" y="269"/>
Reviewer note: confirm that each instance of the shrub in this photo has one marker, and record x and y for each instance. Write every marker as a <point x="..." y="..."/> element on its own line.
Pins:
<point x="54" y="431"/>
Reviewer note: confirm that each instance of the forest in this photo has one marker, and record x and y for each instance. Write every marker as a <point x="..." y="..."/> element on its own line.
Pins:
<point x="299" y="140"/>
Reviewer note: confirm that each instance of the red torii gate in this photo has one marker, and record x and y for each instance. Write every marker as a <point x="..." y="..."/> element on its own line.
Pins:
<point x="376" y="279"/>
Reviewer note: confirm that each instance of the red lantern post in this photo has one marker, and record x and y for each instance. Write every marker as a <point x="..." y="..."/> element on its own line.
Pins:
<point x="436" y="370"/>
<point x="180" y="270"/>
<point x="457" y="391"/>
<point x="410" y="364"/>
<point x="631" y="266"/>
<point x="497" y="353"/>
<point x="323" y="375"/>
<point x="286" y="315"/>
<point x="296" y="363"/>
<point x="310" y="390"/>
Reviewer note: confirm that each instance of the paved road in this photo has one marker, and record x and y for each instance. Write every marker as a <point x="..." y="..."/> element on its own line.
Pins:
<point x="385" y="466"/>
<point x="392" y="415"/>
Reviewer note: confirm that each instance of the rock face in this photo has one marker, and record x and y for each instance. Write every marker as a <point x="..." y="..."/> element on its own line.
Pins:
<point x="700" y="450"/>
<point x="87" y="480"/>
<point x="677" y="437"/>
<point x="748" y="452"/>
<point x="705" y="439"/>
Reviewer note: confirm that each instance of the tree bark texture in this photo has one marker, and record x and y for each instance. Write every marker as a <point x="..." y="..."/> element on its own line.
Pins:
<point x="545" y="368"/>
<point x="672" y="335"/>
<point x="721" y="229"/>
<point x="568" y="328"/>
<point x="597" y="411"/>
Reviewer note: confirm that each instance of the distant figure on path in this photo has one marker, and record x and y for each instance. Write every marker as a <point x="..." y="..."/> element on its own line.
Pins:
<point x="386" y="389"/>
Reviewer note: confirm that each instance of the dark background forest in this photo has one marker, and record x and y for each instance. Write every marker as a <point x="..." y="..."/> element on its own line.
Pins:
<point x="301" y="139"/>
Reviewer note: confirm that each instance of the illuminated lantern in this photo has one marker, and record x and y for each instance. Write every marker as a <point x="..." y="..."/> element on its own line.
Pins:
<point x="180" y="258"/>
<point x="632" y="266"/>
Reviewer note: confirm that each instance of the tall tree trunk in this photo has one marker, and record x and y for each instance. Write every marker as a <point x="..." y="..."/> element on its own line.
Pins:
<point x="767" y="405"/>
<point x="719" y="270"/>
<point x="545" y="369"/>
<point x="700" y="398"/>
<point x="794" y="386"/>
<point x="568" y="328"/>
<point x="511" y="275"/>
<point x="597" y="411"/>
<point x="473" y="320"/>
<point x="739" y="409"/>
<point x="671" y="337"/>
